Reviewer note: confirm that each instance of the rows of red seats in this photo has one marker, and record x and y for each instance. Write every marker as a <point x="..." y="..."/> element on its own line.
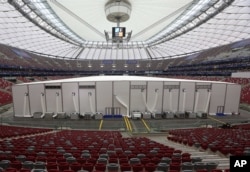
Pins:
<point x="226" y="141"/>
<point x="5" y="92"/>
<point x="4" y="84"/>
<point x="242" y="126"/>
<point x="245" y="94"/>
<point x="241" y="81"/>
<point x="14" y="131"/>
<point x="5" y="98"/>
<point x="53" y="149"/>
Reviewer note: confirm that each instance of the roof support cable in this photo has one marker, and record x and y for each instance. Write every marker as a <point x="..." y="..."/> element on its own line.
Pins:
<point x="62" y="7"/>
<point x="80" y="52"/>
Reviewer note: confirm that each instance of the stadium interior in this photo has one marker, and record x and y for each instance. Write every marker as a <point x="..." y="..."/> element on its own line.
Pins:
<point x="49" y="40"/>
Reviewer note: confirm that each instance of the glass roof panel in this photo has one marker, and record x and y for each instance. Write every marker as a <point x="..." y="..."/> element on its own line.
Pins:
<point x="192" y="31"/>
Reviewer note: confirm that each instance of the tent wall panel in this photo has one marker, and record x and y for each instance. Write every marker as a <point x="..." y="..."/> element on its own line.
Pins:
<point x="121" y="90"/>
<point x="138" y="92"/>
<point x="203" y="91"/>
<point x="173" y="105"/>
<point x="187" y="91"/>
<point x="70" y="91"/>
<point x="87" y="97"/>
<point x="35" y="91"/>
<point x="232" y="99"/>
<point x="218" y="96"/>
<point x="104" y="94"/>
<point x="51" y="96"/>
<point x="154" y="92"/>
<point x="21" y="109"/>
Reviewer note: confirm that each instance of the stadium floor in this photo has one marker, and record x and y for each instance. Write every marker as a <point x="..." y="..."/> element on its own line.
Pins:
<point x="138" y="126"/>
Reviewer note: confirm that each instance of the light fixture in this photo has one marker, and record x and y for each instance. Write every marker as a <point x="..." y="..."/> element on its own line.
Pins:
<point x="118" y="10"/>
<point x="148" y="65"/>
<point x="90" y="65"/>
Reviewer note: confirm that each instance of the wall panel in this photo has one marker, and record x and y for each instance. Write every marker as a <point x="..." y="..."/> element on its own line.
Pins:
<point x="20" y="107"/>
<point x="35" y="91"/>
<point x="51" y="97"/>
<point x="104" y="94"/>
<point x="203" y="90"/>
<point x="87" y="97"/>
<point x="138" y="90"/>
<point x="154" y="96"/>
<point x="232" y="98"/>
<point x="70" y="92"/>
<point x="172" y="87"/>
<point x="187" y="88"/>
<point x="121" y="90"/>
<point x="217" y="97"/>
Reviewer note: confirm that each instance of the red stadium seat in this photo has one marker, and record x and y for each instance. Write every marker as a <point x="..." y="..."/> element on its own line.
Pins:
<point x="125" y="167"/>
<point x="137" y="167"/>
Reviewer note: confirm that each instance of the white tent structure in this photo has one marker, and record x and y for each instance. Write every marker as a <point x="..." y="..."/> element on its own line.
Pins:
<point x="122" y="95"/>
<point x="160" y="29"/>
<point x="77" y="30"/>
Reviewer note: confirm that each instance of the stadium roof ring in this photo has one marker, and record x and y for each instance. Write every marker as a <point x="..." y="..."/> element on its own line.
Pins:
<point x="161" y="29"/>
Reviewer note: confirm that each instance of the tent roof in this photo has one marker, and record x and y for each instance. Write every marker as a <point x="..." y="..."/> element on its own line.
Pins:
<point x="118" y="78"/>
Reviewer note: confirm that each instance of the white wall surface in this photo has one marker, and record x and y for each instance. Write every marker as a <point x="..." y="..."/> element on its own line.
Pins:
<point x="121" y="90"/>
<point x="104" y="94"/>
<point x="85" y="100"/>
<point x="217" y="97"/>
<point x="232" y="98"/>
<point x="68" y="89"/>
<point x="19" y="99"/>
<point x="152" y="95"/>
<point x="202" y="100"/>
<point x="241" y="75"/>
<point x="136" y="99"/>
<point x="175" y="97"/>
<point x="35" y="91"/>
<point x="50" y="99"/>
<point x="189" y="88"/>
